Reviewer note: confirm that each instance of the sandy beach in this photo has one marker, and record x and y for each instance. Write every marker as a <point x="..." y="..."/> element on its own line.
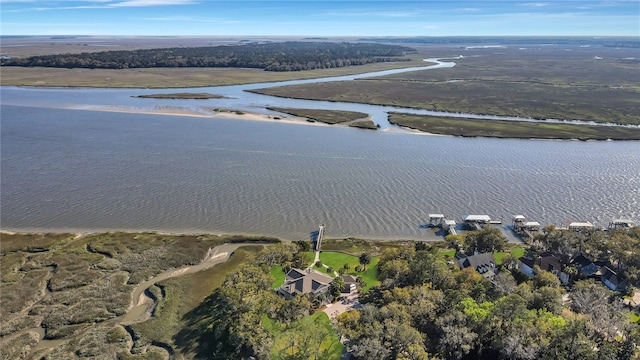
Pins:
<point x="207" y="113"/>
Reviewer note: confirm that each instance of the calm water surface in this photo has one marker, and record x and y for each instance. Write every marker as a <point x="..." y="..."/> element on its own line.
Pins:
<point x="88" y="170"/>
<point x="65" y="168"/>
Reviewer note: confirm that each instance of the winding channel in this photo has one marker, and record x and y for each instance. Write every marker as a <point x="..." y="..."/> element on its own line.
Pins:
<point x="142" y="305"/>
<point x="240" y="97"/>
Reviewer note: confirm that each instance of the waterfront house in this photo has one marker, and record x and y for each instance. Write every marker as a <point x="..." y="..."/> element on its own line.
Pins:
<point x="585" y="266"/>
<point x="526" y="264"/>
<point x="612" y="280"/>
<point x="304" y="282"/>
<point x="545" y="261"/>
<point x="484" y="264"/>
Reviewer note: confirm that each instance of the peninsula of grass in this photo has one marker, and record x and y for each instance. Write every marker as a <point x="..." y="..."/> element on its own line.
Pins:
<point x="185" y="95"/>
<point x="326" y="116"/>
<point x="511" y="129"/>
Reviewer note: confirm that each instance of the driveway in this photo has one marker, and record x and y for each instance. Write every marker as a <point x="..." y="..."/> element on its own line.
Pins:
<point x="349" y="303"/>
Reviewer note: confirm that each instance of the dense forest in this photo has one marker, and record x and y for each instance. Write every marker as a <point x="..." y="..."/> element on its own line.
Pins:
<point x="427" y="308"/>
<point x="285" y="56"/>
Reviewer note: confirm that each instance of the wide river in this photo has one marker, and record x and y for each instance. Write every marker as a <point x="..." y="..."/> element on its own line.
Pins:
<point x="67" y="167"/>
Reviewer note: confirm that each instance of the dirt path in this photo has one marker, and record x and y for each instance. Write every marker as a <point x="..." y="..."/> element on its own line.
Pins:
<point x="142" y="305"/>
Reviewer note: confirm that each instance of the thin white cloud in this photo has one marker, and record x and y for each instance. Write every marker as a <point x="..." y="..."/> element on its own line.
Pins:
<point x="141" y="3"/>
<point x="536" y="4"/>
<point x="390" y="14"/>
<point x="190" y="19"/>
<point x="97" y="4"/>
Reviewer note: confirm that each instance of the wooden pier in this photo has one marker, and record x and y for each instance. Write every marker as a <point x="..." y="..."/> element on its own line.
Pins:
<point x="526" y="229"/>
<point x="439" y="220"/>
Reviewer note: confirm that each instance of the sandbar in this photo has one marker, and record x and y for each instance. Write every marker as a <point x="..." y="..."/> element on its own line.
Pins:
<point x="205" y="113"/>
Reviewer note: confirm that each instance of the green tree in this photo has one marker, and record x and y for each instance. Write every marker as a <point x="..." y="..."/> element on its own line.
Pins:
<point x="488" y="239"/>
<point x="544" y="278"/>
<point x="364" y="259"/>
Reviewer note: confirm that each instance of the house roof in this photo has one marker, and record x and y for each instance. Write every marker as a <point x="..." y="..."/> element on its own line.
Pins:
<point x="578" y="224"/>
<point x="581" y="260"/>
<point x="548" y="262"/>
<point x="484" y="263"/>
<point x="349" y="279"/>
<point x="300" y="281"/>
<point x="612" y="277"/>
<point x="485" y="218"/>
<point x="527" y="261"/>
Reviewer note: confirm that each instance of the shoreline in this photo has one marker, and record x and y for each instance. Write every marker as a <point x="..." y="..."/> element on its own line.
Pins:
<point x="86" y="232"/>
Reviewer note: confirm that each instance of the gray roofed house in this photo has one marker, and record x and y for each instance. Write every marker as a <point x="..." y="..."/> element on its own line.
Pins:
<point x="303" y="282"/>
<point x="585" y="265"/>
<point x="612" y="280"/>
<point x="526" y="265"/>
<point x="484" y="263"/>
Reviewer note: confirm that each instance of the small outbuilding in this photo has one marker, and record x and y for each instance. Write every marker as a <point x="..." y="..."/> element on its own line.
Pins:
<point x="581" y="225"/>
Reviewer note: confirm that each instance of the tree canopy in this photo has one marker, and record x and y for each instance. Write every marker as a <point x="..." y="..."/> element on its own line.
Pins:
<point x="282" y="56"/>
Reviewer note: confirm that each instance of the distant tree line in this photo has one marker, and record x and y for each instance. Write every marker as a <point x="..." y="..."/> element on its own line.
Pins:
<point x="285" y="56"/>
<point x="625" y="42"/>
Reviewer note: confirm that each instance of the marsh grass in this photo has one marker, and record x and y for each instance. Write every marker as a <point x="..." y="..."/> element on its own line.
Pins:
<point x="541" y="84"/>
<point x="325" y="116"/>
<point x="11" y="243"/>
<point x="511" y="129"/>
<point x="365" y="124"/>
<point x="176" y="311"/>
<point x="65" y="284"/>
<point x="20" y="346"/>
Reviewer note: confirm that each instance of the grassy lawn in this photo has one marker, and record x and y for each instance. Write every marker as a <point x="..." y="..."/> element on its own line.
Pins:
<point x="337" y="260"/>
<point x="357" y="246"/>
<point x="278" y="275"/>
<point x="449" y="253"/>
<point x="517" y="252"/>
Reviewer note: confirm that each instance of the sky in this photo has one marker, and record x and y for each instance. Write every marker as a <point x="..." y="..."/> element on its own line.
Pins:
<point x="320" y="18"/>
